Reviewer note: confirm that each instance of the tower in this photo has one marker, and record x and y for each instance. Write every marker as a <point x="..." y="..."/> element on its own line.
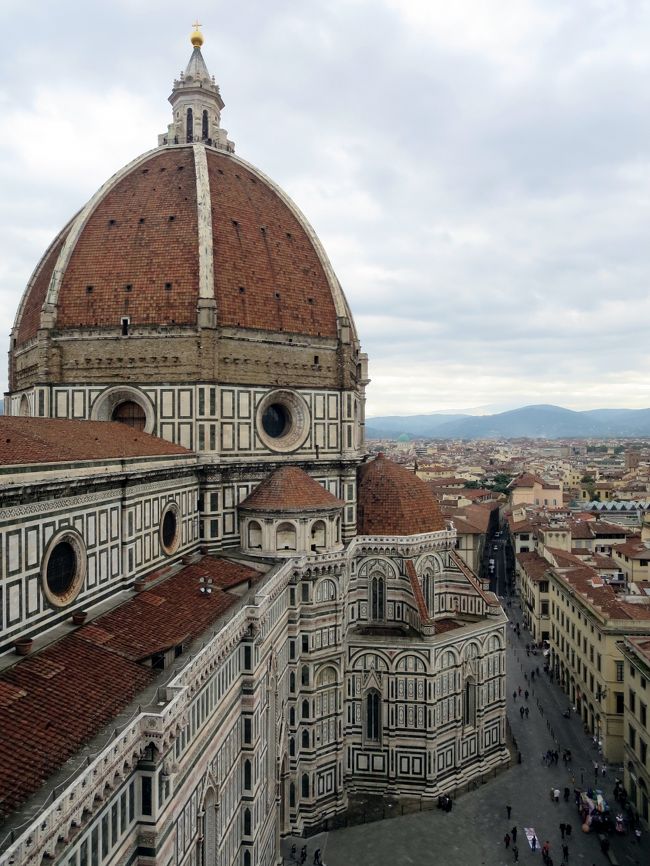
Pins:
<point x="196" y="104"/>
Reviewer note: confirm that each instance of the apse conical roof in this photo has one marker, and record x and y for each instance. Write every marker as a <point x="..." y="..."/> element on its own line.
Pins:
<point x="289" y="489"/>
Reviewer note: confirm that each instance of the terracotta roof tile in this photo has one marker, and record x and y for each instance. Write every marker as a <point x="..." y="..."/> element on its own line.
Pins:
<point x="53" y="702"/>
<point x="143" y="233"/>
<point x="393" y="501"/>
<point x="30" y="320"/>
<point x="138" y="253"/>
<point x="534" y="565"/>
<point x="289" y="488"/>
<point x="260" y="247"/>
<point x="586" y="581"/>
<point x="169" y="613"/>
<point x="61" y="440"/>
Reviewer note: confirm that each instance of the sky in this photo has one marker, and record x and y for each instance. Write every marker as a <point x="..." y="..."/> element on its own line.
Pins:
<point x="478" y="171"/>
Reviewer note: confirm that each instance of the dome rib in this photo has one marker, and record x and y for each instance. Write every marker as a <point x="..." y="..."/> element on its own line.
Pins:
<point x="393" y="501"/>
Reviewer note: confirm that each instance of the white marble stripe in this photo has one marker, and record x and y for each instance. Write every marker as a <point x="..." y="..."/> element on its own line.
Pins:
<point x="204" y="221"/>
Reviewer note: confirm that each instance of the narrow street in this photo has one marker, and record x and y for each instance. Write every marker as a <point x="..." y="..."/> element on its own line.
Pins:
<point x="473" y="833"/>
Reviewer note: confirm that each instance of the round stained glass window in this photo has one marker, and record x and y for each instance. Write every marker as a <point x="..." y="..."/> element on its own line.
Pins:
<point x="169" y="534"/>
<point x="63" y="569"/>
<point x="276" y="420"/>
<point x="282" y="420"/>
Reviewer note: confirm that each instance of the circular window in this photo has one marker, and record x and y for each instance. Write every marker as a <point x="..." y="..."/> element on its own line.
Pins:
<point x="63" y="569"/>
<point x="283" y="421"/>
<point x="276" y="420"/>
<point x="170" y="535"/>
<point x="130" y="413"/>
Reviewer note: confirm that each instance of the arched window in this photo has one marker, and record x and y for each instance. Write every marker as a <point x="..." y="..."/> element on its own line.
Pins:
<point x="247" y="775"/>
<point x="209" y="829"/>
<point x="247" y="858"/>
<point x="318" y="534"/>
<point x="204" y="126"/>
<point x="373" y="715"/>
<point x="130" y="413"/>
<point x="377" y="598"/>
<point x="292" y="794"/>
<point x="247" y="822"/>
<point x="305" y="785"/>
<point x="292" y="682"/>
<point x="305" y="739"/>
<point x="469" y="702"/>
<point x="305" y="709"/>
<point x="24" y="406"/>
<point x="254" y="535"/>
<point x="189" y="126"/>
<point x="292" y="717"/>
<point x="326" y="590"/>
<point x="286" y="537"/>
<point x="304" y="675"/>
<point x="427" y="589"/>
<point x="292" y="746"/>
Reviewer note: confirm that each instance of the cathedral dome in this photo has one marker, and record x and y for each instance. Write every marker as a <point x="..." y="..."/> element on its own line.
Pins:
<point x="394" y="501"/>
<point x="186" y="239"/>
<point x="179" y="226"/>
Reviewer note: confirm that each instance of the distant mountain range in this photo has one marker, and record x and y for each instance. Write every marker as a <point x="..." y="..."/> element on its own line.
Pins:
<point x="534" y="422"/>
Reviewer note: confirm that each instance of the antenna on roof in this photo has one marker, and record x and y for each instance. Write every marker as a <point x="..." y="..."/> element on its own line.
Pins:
<point x="205" y="585"/>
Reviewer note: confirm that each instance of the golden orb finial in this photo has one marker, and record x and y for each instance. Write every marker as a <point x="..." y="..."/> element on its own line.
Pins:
<point x="196" y="37"/>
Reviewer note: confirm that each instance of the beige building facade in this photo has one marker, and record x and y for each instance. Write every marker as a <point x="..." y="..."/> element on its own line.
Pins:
<point x="636" y="765"/>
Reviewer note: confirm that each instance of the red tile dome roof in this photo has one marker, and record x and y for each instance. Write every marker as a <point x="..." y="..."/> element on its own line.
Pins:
<point x="391" y="500"/>
<point x="139" y="250"/>
<point x="290" y="489"/>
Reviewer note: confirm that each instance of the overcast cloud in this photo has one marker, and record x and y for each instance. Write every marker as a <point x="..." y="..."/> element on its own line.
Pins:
<point x="478" y="171"/>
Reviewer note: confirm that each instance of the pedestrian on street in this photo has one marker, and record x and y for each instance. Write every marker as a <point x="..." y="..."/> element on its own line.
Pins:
<point x="521" y="711"/>
<point x="562" y="828"/>
<point x="526" y="712"/>
<point x="533" y="843"/>
<point x="567" y="794"/>
<point x="526" y="694"/>
<point x="514" y="834"/>
<point x="568" y="829"/>
<point x="515" y="853"/>
<point x="514" y="695"/>
<point x="303" y="854"/>
<point x="519" y="690"/>
<point x="508" y="810"/>
<point x="506" y="840"/>
<point x="565" y="851"/>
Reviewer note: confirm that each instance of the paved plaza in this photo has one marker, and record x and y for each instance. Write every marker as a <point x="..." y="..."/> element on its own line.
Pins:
<point x="473" y="833"/>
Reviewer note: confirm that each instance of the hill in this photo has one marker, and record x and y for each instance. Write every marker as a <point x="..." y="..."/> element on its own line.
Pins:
<point x="534" y="422"/>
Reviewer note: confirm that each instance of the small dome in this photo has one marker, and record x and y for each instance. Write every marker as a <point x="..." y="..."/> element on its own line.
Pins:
<point x="394" y="501"/>
<point x="289" y="489"/>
